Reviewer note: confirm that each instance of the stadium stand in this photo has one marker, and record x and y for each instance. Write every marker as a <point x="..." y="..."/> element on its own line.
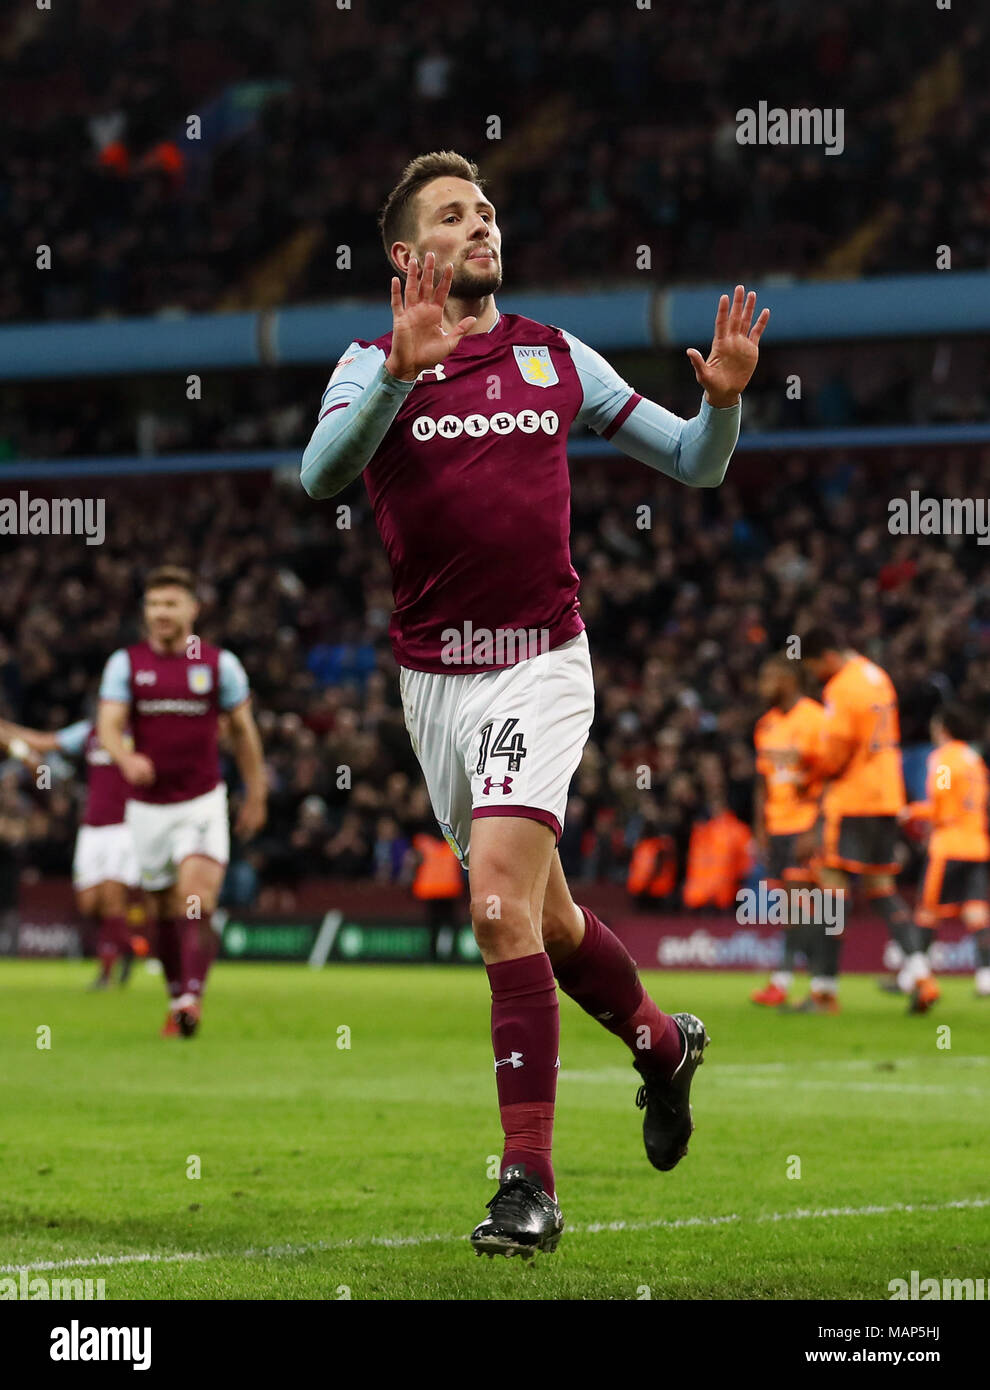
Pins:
<point x="635" y="146"/>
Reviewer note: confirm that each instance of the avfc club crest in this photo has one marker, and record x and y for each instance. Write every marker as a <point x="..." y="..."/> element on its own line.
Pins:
<point x="448" y="835"/>
<point x="200" y="680"/>
<point x="536" y="366"/>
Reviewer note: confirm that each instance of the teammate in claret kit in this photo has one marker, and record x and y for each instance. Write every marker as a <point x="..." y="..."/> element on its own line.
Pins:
<point x="170" y="691"/>
<point x="458" y="420"/>
<point x="104" y="865"/>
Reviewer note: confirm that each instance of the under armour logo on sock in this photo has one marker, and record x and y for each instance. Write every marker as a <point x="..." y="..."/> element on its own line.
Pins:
<point x="515" y="1059"/>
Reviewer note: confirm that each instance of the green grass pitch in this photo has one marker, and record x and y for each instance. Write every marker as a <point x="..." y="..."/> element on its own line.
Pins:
<point x="330" y="1171"/>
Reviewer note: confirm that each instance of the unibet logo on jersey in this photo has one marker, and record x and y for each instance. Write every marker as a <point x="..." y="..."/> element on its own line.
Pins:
<point x="424" y="427"/>
<point x="470" y="486"/>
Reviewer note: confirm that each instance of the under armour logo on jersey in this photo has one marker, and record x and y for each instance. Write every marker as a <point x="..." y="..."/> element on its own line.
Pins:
<point x="436" y="372"/>
<point x="514" y="1059"/>
<point x="505" y="784"/>
<point x="145" y="677"/>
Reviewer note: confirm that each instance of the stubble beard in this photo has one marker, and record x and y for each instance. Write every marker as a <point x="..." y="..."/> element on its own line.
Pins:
<point x="470" y="283"/>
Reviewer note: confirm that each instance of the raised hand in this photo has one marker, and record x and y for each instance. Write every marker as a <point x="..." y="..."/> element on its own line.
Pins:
<point x="419" y="340"/>
<point x="735" y="349"/>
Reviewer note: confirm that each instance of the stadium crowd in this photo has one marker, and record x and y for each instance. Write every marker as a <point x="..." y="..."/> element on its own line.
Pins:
<point x="617" y="130"/>
<point x="682" y="602"/>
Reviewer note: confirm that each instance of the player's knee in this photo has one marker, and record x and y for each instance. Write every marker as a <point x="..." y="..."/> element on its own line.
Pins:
<point x="492" y="908"/>
<point x="114" y="902"/>
<point x="197" y="903"/>
<point x="498" y="918"/>
<point x="88" y="903"/>
<point x="198" y="887"/>
<point x="561" y="926"/>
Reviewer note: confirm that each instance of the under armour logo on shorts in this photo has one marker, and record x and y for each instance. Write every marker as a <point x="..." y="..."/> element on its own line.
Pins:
<point x="505" y="784"/>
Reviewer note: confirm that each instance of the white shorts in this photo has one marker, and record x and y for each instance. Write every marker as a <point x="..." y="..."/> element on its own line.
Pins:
<point x="166" y="834"/>
<point x="104" y="854"/>
<point x="501" y="742"/>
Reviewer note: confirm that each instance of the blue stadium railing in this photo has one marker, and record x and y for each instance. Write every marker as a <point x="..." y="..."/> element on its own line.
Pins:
<point x="899" y="306"/>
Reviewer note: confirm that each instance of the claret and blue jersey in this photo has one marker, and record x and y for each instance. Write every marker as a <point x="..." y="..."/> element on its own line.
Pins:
<point x="467" y="473"/>
<point x="175" y="704"/>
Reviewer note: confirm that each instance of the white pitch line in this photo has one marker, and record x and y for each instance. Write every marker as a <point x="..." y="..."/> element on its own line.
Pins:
<point x="592" y="1228"/>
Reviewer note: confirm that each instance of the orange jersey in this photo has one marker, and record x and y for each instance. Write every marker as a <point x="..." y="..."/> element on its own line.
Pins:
<point x="785" y="746"/>
<point x="860" y="749"/>
<point x="956" y="789"/>
<point x="718" y="860"/>
<point x="439" y="874"/>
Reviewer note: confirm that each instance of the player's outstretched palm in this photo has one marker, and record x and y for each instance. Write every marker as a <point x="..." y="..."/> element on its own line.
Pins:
<point x="419" y="340"/>
<point x="735" y="349"/>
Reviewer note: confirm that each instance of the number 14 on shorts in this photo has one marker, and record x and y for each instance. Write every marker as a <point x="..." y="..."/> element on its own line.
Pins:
<point x="507" y="744"/>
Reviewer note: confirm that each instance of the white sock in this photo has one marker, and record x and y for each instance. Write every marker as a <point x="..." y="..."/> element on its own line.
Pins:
<point x="824" y="984"/>
<point x="983" y="980"/>
<point x="783" y="979"/>
<point x="915" y="968"/>
<point x="893" y="957"/>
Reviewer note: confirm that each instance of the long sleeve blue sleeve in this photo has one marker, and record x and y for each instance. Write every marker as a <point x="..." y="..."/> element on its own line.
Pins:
<point x="360" y="403"/>
<point x="695" y="452"/>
